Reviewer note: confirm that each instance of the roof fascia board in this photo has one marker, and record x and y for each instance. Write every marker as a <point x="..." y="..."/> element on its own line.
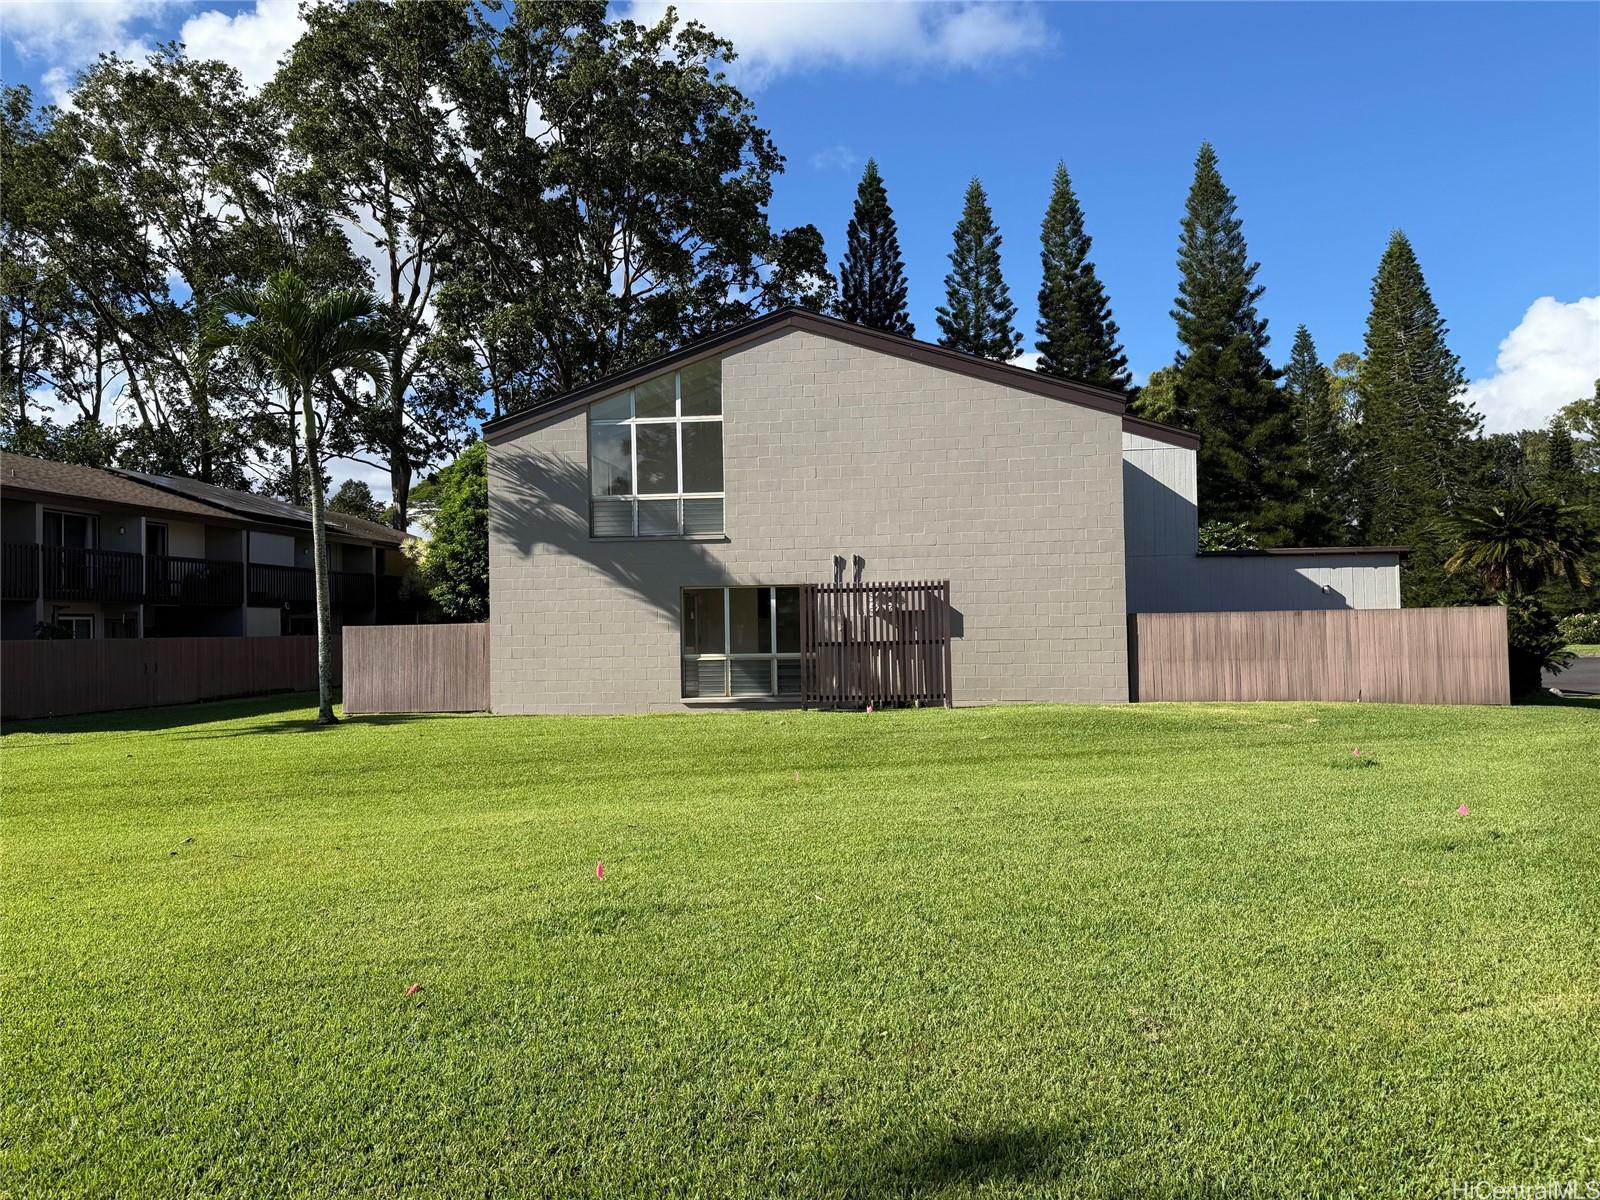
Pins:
<point x="1003" y="374"/>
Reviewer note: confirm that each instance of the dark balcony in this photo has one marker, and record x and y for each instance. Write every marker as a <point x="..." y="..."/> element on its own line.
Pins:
<point x="19" y="571"/>
<point x="170" y="579"/>
<point x="275" y="587"/>
<point x="69" y="573"/>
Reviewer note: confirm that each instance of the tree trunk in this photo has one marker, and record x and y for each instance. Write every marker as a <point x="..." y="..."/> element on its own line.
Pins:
<point x="319" y="555"/>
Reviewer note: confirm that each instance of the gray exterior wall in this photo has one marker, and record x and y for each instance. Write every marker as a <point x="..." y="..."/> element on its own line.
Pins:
<point x="1165" y="574"/>
<point x="829" y="449"/>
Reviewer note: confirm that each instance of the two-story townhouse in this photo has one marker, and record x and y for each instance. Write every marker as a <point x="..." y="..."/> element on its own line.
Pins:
<point x="113" y="554"/>
<point x="649" y="534"/>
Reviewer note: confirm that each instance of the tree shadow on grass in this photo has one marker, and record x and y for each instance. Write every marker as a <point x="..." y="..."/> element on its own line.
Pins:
<point x="261" y="714"/>
<point x="956" y="1161"/>
<point x="174" y="716"/>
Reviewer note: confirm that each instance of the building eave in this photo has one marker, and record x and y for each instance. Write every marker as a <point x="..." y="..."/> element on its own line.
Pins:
<point x="787" y="319"/>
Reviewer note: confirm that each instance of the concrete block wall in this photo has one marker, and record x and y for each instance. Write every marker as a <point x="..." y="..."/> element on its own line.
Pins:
<point x="828" y="449"/>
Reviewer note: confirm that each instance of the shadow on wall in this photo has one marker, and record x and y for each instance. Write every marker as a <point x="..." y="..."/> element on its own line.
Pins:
<point x="1167" y="573"/>
<point x="540" y="503"/>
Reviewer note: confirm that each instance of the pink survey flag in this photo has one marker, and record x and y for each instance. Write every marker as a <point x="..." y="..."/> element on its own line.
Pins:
<point x="413" y="989"/>
<point x="599" y="870"/>
<point x="1462" y="811"/>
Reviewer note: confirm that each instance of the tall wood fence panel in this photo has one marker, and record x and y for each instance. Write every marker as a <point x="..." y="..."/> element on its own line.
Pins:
<point x="66" y="678"/>
<point x="875" y="643"/>
<point x="1387" y="656"/>
<point x="416" y="668"/>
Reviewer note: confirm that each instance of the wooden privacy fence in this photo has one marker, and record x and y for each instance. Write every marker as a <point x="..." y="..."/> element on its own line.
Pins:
<point x="416" y="668"/>
<point x="875" y="643"/>
<point x="64" y="678"/>
<point x="1391" y="656"/>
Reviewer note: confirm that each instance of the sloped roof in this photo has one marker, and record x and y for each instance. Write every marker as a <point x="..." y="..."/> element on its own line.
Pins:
<point x="1020" y="378"/>
<point x="69" y="482"/>
<point x="251" y="506"/>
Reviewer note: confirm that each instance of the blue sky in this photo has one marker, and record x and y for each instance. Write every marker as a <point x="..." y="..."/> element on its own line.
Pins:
<point x="1473" y="127"/>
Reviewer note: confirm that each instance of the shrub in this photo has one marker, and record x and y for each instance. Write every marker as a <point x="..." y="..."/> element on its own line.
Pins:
<point x="1225" y="535"/>
<point x="1536" y="644"/>
<point x="1581" y="629"/>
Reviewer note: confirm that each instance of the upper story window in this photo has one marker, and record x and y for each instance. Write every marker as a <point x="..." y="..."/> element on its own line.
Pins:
<point x="655" y="457"/>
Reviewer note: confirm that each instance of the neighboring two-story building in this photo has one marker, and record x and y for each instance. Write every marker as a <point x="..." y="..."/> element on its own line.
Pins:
<point x="121" y="554"/>
<point x="649" y="534"/>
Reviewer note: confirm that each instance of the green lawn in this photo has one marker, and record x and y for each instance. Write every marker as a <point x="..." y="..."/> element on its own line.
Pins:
<point x="1157" y="950"/>
<point x="1585" y="650"/>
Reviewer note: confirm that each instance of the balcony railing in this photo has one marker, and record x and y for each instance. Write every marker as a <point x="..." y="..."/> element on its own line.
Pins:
<point x="19" y="571"/>
<point x="69" y="573"/>
<point x="66" y="573"/>
<point x="170" y="579"/>
<point x="296" y="586"/>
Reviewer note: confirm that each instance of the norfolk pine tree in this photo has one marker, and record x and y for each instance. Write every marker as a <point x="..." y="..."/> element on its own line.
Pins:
<point x="872" y="277"/>
<point x="977" y="316"/>
<point x="1249" y="459"/>
<point x="1329" y="508"/>
<point x="1415" y="464"/>
<point x="1077" y="337"/>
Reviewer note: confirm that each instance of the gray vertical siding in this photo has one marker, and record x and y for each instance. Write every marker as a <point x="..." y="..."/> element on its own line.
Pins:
<point x="1166" y="575"/>
<point x="829" y="449"/>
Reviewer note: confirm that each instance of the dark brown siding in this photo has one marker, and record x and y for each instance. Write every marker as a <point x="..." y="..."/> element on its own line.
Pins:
<point x="416" y="668"/>
<point x="63" y="678"/>
<point x="1392" y="656"/>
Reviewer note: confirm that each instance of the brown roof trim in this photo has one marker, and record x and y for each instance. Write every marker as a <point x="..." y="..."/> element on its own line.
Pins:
<point x="1158" y="432"/>
<point x="1330" y="551"/>
<point x="1020" y="378"/>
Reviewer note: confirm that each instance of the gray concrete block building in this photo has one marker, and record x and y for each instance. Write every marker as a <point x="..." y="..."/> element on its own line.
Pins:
<point x="648" y="535"/>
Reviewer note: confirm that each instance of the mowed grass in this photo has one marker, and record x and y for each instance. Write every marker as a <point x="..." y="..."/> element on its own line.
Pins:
<point x="1158" y="950"/>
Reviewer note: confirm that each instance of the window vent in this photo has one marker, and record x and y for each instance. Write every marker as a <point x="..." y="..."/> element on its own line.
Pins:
<point x="702" y="517"/>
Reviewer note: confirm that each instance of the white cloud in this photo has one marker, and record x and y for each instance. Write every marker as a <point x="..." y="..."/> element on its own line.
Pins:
<point x="252" y="41"/>
<point x="71" y="32"/>
<point x="795" y="35"/>
<point x="1549" y="360"/>
<point x="835" y="158"/>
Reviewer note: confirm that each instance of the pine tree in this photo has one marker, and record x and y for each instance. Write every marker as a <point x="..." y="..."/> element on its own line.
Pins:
<point x="1414" y="461"/>
<point x="1561" y="461"/>
<point x="1077" y="337"/>
<point x="872" y="277"/>
<point x="978" y="316"/>
<point x="1306" y="382"/>
<point x="1249" y="460"/>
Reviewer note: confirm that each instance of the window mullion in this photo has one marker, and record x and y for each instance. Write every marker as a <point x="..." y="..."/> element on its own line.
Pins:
<point x="727" y="643"/>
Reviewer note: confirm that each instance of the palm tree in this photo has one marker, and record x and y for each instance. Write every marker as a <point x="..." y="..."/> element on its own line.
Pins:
<point x="1520" y="539"/>
<point x="298" y="342"/>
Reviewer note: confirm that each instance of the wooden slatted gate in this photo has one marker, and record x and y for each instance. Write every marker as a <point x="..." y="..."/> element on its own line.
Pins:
<point x="875" y="643"/>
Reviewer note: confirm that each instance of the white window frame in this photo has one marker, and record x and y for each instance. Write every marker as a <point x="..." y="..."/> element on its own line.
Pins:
<point x="772" y="654"/>
<point x="678" y="420"/>
<point x="73" y="620"/>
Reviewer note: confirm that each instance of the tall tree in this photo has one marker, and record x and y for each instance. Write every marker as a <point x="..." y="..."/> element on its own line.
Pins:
<point x="1077" y="337"/>
<point x="371" y="91"/>
<point x="1414" y="460"/>
<point x="1328" y="514"/>
<point x="1561" y="461"/>
<point x="302" y="343"/>
<point x="614" y="200"/>
<point x="872" y="276"/>
<point x="456" y="561"/>
<point x="1249" y="459"/>
<point x="977" y="316"/>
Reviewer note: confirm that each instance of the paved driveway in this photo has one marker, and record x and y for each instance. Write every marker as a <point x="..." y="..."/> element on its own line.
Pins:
<point x="1582" y="678"/>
